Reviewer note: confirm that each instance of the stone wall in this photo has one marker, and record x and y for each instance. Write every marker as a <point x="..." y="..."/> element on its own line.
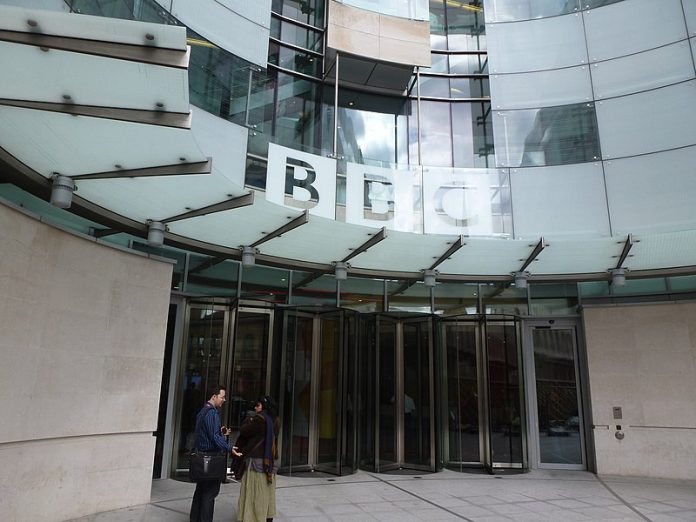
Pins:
<point x="643" y="359"/>
<point x="81" y="350"/>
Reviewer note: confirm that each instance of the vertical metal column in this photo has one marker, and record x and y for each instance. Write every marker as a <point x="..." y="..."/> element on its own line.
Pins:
<point x="335" y="136"/>
<point x="418" y="116"/>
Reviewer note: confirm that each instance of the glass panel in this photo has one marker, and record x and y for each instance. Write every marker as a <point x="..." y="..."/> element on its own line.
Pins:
<point x="537" y="45"/>
<point x="593" y="288"/>
<point x="578" y="206"/>
<point x="651" y="121"/>
<point x="643" y="71"/>
<point x="504" y="396"/>
<point x="466" y="29"/>
<point x="557" y="396"/>
<point x="553" y="299"/>
<point x="202" y="363"/>
<point x="456" y="298"/>
<point x="434" y="86"/>
<point x="297" y="391"/>
<point x="212" y="276"/>
<point x="296" y="35"/>
<point x="387" y="393"/>
<point x="503" y="298"/>
<point x="512" y="10"/>
<point x="462" y="393"/>
<point x="657" y="285"/>
<point x="327" y="422"/>
<point x="549" y="136"/>
<point x="436" y="134"/>
<point x="682" y="284"/>
<point x="438" y="30"/>
<point x="248" y="381"/>
<point x="631" y="27"/>
<point x="666" y="201"/>
<point x="414" y="298"/>
<point x="367" y="392"/>
<point x="264" y="283"/>
<point x="307" y="11"/>
<point x="293" y="60"/>
<point x="417" y="396"/>
<point x="364" y="295"/>
<point x="524" y="90"/>
<point x="468" y="201"/>
<point x="468" y="63"/>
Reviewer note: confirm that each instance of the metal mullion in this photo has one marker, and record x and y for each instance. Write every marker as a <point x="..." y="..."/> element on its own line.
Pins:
<point x="399" y="392"/>
<point x="314" y="393"/>
<point x="296" y="47"/>
<point x="431" y="378"/>
<point x="297" y="22"/>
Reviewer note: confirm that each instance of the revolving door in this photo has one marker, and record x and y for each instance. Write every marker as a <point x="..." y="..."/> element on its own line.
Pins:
<point x="396" y="393"/>
<point x="317" y="391"/>
<point x="481" y="386"/>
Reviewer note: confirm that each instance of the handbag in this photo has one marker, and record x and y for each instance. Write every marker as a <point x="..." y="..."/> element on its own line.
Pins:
<point x="206" y="465"/>
<point x="239" y="464"/>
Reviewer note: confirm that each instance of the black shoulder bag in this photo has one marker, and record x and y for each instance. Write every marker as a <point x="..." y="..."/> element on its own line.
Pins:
<point x="238" y="465"/>
<point x="207" y="465"/>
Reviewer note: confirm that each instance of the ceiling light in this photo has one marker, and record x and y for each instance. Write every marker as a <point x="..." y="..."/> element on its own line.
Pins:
<point x="248" y="256"/>
<point x="155" y="233"/>
<point x="62" y="189"/>
<point x="618" y="276"/>
<point x="521" y="279"/>
<point x="430" y="277"/>
<point x="341" y="270"/>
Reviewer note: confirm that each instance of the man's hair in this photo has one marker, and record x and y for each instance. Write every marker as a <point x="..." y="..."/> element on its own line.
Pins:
<point x="216" y="389"/>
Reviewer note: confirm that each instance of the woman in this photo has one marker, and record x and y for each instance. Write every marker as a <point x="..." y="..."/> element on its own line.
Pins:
<point x="257" y="442"/>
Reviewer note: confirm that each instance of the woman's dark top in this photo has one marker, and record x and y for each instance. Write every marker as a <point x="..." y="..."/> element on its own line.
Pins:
<point x="251" y="435"/>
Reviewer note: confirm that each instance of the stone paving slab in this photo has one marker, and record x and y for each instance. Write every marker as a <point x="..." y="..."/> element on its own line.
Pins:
<point x="538" y="496"/>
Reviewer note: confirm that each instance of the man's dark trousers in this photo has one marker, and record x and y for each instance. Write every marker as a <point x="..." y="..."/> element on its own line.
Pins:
<point x="204" y="500"/>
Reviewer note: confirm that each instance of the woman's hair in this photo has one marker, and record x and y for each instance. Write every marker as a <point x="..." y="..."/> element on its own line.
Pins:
<point x="269" y="405"/>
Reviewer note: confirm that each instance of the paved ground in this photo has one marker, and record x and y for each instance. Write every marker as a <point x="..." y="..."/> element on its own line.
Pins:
<point x="558" y="496"/>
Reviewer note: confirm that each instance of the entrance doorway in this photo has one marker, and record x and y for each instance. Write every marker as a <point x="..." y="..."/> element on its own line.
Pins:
<point x="317" y="387"/>
<point x="397" y="393"/>
<point x="481" y="387"/>
<point x="556" y="420"/>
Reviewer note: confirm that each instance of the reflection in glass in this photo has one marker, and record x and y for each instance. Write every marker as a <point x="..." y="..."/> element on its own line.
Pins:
<point x="557" y="397"/>
<point x="436" y="134"/>
<point x="504" y="385"/>
<point x="417" y="399"/>
<point x="468" y="63"/>
<point x="310" y="12"/>
<point x="510" y="10"/>
<point x="462" y="394"/>
<point x="387" y="393"/>
<point x="327" y="421"/>
<point x="297" y="391"/>
<point x="248" y="381"/>
<point x="547" y="136"/>
<point x="202" y="363"/>
<point x="553" y="299"/>
<point x="466" y="29"/>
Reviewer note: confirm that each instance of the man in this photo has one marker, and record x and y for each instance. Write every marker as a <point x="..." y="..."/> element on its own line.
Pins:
<point x="209" y="437"/>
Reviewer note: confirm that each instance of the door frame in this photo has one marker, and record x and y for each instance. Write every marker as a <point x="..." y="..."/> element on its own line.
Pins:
<point x="533" y="437"/>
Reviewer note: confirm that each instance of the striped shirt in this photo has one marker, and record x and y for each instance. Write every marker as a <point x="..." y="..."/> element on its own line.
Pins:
<point x="208" y="436"/>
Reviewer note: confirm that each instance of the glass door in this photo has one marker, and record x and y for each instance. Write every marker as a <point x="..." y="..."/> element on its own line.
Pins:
<point x="318" y="400"/>
<point x="204" y="359"/>
<point x="329" y="395"/>
<point x="463" y="400"/>
<point x="418" y="395"/>
<point x="554" y="396"/>
<point x="298" y="396"/>
<point x="386" y="375"/>
<point x="249" y="368"/>
<point x="503" y="363"/>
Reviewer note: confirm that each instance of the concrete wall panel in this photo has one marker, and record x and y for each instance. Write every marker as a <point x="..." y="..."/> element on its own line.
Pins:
<point x="83" y="328"/>
<point x="643" y="359"/>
